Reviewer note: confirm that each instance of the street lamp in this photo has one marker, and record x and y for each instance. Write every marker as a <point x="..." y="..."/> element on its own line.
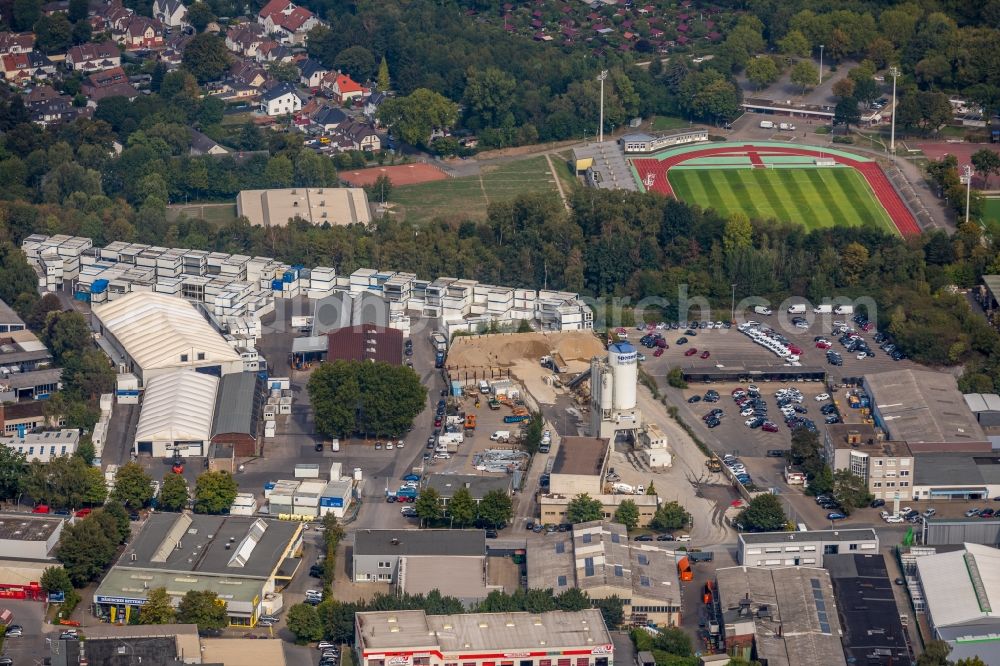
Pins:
<point x="967" y="181"/>
<point x="732" y="313"/>
<point x="821" y="64"/>
<point x="601" y="77"/>
<point x="893" y="72"/>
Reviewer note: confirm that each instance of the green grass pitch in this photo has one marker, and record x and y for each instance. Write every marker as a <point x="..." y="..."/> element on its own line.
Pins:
<point x="811" y="197"/>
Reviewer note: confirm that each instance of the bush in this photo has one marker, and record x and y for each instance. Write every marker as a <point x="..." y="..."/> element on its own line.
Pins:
<point x="843" y="139"/>
<point x="676" y="378"/>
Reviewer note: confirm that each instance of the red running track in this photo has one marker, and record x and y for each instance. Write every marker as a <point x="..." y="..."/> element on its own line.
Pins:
<point x="653" y="174"/>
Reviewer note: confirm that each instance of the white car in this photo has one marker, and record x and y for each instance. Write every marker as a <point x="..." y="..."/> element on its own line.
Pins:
<point x="894" y="519"/>
<point x="862" y="356"/>
<point x="792" y="357"/>
<point x="399" y="444"/>
<point x="748" y="422"/>
<point x="683" y="538"/>
<point x="388" y="446"/>
<point x="822" y="396"/>
<point x="546" y="437"/>
<point x="442" y="456"/>
<point x="747" y="412"/>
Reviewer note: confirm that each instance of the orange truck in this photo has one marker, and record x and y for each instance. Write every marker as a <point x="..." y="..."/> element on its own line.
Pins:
<point x="684" y="569"/>
<point x="470" y="421"/>
<point x="709" y="592"/>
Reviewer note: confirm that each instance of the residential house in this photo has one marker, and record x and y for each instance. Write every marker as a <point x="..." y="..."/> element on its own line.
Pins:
<point x="142" y="33"/>
<point x="280" y="100"/>
<point x="272" y="51"/>
<point x="115" y="19"/>
<point x="247" y="74"/>
<point x="109" y="83"/>
<point x="245" y="39"/>
<point x="20" y="68"/>
<point x="343" y="87"/>
<point x="37" y="95"/>
<point x="57" y="7"/>
<point x="54" y="111"/>
<point x="328" y="118"/>
<point x="203" y="145"/>
<point x="16" y="42"/>
<point x="173" y="53"/>
<point x="287" y="21"/>
<point x="93" y="57"/>
<point x="312" y="73"/>
<point x="361" y="136"/>
<point x="372" y="103"/>
<point x="171" y="13"/>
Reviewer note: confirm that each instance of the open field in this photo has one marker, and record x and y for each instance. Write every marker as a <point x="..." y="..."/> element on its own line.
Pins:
<point x="991" y="210"/>
<point x="811" y="197"/>
<point x="664" y="123"/>
<point x="469" y="196"/>
<point x="213" y="213"/>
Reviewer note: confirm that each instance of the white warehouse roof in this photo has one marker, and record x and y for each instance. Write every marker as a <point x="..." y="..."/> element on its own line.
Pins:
<point x="178" y="407"/>
<point x="961" y="586"/>
<point x="156" y="330"/>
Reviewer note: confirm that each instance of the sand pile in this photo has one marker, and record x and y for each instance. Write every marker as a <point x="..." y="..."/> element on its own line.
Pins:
<point x="505" y="349"/>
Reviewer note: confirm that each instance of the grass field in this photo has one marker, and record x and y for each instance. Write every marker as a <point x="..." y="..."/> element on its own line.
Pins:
<point x="215" y="214"/>
<point x="991" y="210"/>
<point x="664" y="123"/>
<point x="811" y="197"/>
<point x="468" y="197"/>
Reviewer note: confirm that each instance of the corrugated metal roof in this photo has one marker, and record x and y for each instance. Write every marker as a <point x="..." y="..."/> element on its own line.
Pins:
<point x="975" y="402"/>
<point x="235" y="408"/>
<point x="178" y="407"/>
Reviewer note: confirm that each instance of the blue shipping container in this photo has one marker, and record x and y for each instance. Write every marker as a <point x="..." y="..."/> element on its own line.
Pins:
<point x="289" y="276"/>
<point x="269" y="485"/>
<point x="99" y="287"/>
<point x="82" y="296"/>
<point x="333" y="502"/>
<point x="276" y="285"/>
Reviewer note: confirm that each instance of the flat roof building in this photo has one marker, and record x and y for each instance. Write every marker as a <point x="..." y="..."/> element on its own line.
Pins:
<point x="478" y="486"/>
<point x="22" y="351"/>
<point x="150" y="334"/>
<point x="887" y="467"/>
<point x="9" y="320"/>
<point x="961" y="590"/>
<point x="176" y="415"/>
<point x="925" y="409"/>
<point x="335" y="206"/>
<point x="986" y="407"/>
<point x="956" y="476"/>
<point x="149" y="645"/>
<point x="556" y="638"/>
<point x="598" y="558"/>
<point x="780" y="617"/>
<point x="580" y="466"/>
<point x="44" y="446"/>
<point x="238" y="406"/>
<point x="552" y="507"/>
<point x="793" y="549"/>
<point x="245" y="560"/>
<point x="868" y="610"/>
<point x="451" y="561"/>
<point x="27" y="548"/>
<point x="366" y="342"/>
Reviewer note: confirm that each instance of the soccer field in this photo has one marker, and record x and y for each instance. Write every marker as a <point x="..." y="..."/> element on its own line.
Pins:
<point x="811" y="197"/>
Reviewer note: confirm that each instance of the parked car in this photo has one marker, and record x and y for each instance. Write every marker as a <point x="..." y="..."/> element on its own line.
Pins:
<point x="877" y="503"/>
<point x="644" y="537"/>
<point x="691" y="352"/>
<point x="834" y="515"/>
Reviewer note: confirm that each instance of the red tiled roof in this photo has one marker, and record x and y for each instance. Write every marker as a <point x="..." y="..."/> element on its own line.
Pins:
<point x="272" y="7"/>
<point x="346" y="84"/>
<point x="366" y="343"/>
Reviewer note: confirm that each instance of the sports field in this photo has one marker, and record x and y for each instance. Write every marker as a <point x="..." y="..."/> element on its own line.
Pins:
<point x="811" y="197"/>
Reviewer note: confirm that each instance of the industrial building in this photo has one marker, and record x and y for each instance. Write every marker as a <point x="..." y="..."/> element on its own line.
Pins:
<point x="309" y="496"/>
<point x="986" y="407"/>
<point x="598" y="559"/>
<point x="238" y="408"/>
<point x="887" y="467"/>
<point x="149" y="645"/>
<point x="24" y="417"/>
<point x="956" y="476"/>
<point x="613" y="383"/>
<point x="960" y="589"/>
<point x="246" y="561"/>
<point x="26" y="371"/>
<point x="365" y="343"/>
<point x="785" y="616"/>
<point x="555" y="638"/>
<point x="150" y="334"/>
<point x="236" y="290"/>
<point x="451" y="561"/>
<point x="793" y="549"/>
<point x="9" y="320"/>
<point x="177" y="412"/>
<point x="336" y="206"/>
<point x="43" y="446"/>
<point x="925" y="409"/>
<point x="873" y="631"/>
<point x="951" y="531"/>
<point x="27" y="548"/>
<point x="447" y="485"/>
<point x="651" y="444"/>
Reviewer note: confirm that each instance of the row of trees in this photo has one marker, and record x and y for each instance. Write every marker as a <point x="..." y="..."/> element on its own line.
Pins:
<point x="495" y="509"/>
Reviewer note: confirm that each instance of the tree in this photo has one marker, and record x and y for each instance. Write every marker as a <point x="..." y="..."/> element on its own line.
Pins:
<point x="627" y="514"/>
<point x="764" y="513"/>
<point x="804" y="73"/>
<point x="381" y="189"/>
<point x="986" y="163"/>
<point x="532" y="439"/>
<point x="489" y="94"/>
<point x="414" y="117"/>
<point x="206" y="57"/>
<point x="935" y="654"/>
<point x="383" y="76"/>
<point x="846" y="112"/>
<point x="25" y="14"/>
<point x="670" y="516"/>
<point x="133" y="487"/>
<point x="738" y="234"/>
<point x="850" y="490"/>
<point x="357" y="62"/>
<point x="55" y="579"/>
<point x="77" y="10"/>
<point x="86" y="451"/>
<point x="496" y="508"/>
<point x="613" y="611"/>
<point x="214" y="491"/>
<point x="428" y="504"/>
<point x="794" y="45"/>
<point x="66" y="332"/>
<point x="762" y="71"/>
<point x="84" y="550"/>
<point x="305" y="623"/>
<point x="158" y="608"/>
<point x="203" y="608"/>
<point x="114" y="519"/>
<point x="710" y="95"/>
<point x="673" y="640"/>
<point x="675" y="378"/>
<point x="53" y="33"/>
<point x="173" y="493"/>
<point x="844" y="88"/>
<point x="583" y="508"/>
<point x="199" y="15"/>
<point x="573" y="599"/>
<point x="13" y="470"/>
<point x="461" y="507"/>
<point x="970" y="661"/>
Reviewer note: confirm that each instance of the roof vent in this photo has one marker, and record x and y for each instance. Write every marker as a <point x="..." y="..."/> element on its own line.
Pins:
<point x="483" y="625"/>
<point x="509" y="623"/>
<point x="446" y="626"/>
<point x="394" y="541"/>
<point x="537" y="621"/>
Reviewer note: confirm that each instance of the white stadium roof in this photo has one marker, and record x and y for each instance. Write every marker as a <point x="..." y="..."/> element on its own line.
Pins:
<point x="178" y="407"/>
<point x="156" y="330"/>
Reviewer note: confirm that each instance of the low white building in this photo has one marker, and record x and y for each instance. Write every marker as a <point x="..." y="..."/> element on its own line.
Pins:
<point x="280" y="100"/>
<point x="177" y="414"/>
<point x="652" y="445"/>
<point x="44" y="446"/>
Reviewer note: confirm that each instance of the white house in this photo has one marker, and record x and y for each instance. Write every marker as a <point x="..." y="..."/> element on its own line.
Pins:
<point x="171" y="13"/>
<point x="280" y="100"/>
<point x="44" y="446"/>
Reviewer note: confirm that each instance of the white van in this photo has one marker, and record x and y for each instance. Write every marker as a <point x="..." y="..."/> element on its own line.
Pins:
<point x="335" y="445"/>
<point x="500" y="436"/>
<point x="484" y="386"/>
<point x="844" y="309"/>
<point x="787" y="127"/>
<point x="766" y="124"/>
<point x="823" y="309"/>
<point x="761" y="310"/>
<point x="797" y="308"/>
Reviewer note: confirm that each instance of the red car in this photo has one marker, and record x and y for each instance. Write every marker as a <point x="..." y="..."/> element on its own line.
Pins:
<point x="823" y="345"/>
<point x="437" y="422"/>
<point x="658" y="352"/>
<point x="795" y="350"/>
<point x="83" y="513"/>
<point x="177" y="468"/>
<point x="769" y="427"/>
<point x="705" y="354"/>
<point x="41" y="508"/>
<point x="691" y="352"/>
